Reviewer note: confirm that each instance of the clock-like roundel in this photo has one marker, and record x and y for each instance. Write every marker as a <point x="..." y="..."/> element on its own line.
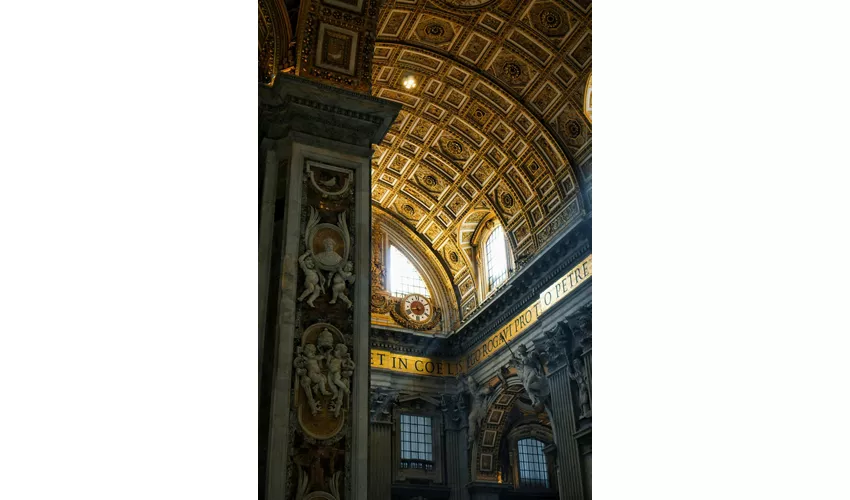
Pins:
<point x="417" y="308"/>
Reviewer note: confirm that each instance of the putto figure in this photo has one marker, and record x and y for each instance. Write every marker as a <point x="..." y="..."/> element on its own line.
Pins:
<point x="314" y="282"/>
<point x="338" y="374"/>
<point x="341" y="278"/>
<point x="310" y="375"/>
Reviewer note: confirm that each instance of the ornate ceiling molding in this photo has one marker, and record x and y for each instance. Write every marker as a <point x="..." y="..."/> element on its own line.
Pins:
<point x="275" y="35"/>
<point x="492" y="125"/>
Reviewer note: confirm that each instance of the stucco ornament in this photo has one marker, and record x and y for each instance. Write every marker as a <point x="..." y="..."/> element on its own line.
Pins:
<point x="530" y="372"/>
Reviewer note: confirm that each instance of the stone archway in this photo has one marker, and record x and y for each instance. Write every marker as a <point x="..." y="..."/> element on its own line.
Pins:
<point x="509" y="417"/>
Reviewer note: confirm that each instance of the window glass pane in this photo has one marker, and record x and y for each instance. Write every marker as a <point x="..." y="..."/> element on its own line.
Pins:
<point x="497" y="258"/>
<point x="416" y="441"/>
<point x="404" y="277"/>
<point x="532" y="463"/>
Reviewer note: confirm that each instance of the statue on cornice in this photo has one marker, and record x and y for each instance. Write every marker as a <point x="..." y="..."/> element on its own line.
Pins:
<point x="530" y="372"/>
<point x="477" y="407"/>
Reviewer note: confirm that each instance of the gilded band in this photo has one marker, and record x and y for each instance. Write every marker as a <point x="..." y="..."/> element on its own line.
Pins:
<point x="385" y="360"/>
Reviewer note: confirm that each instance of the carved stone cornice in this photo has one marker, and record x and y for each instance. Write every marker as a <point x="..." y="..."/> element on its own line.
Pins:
<point x="523" y="290"/>
<point x="409" y="343"/>
<point x="525" y="287"/>
<point x="298" y="104"/>
<point x="381" y="403"/>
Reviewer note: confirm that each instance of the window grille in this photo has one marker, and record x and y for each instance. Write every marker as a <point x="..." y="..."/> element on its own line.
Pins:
<point x="532" y="464"/>
<point x="416" y="443"/>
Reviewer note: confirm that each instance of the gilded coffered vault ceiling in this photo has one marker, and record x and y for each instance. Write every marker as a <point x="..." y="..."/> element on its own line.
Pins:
<point x="495" y="125"/>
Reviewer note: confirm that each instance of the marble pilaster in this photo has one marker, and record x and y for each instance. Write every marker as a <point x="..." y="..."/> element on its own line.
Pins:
<point x="380" y="460"/>
<point x="564" y="344"/>
<point x="457" y="458"/>
<point x="304" y="123"/>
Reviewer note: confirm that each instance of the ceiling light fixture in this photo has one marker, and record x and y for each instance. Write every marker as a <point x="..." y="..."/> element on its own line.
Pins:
<point x="409" y="82"/>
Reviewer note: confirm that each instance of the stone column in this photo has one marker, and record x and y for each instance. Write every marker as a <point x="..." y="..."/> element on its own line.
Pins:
<point x="381" y="444"/>
<point x="564" y="345"/>
<point x="457" y="464"/>
<point x="318" y="409"/>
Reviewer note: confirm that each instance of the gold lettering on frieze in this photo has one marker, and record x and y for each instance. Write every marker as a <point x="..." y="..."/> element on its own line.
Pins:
<point x="566" y="284"/>
<point x="386" y="360"/>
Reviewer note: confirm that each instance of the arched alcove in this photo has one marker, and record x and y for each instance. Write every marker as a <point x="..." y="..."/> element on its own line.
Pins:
<point x="509" y="417"/>
<point x="389" y="231"/>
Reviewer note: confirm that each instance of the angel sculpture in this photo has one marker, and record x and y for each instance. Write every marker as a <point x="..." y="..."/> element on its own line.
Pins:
<point x="478" y="407"/>
<point x="314" y="282"/>
<point x="531" y="375"/>
<point x="343" y="275"/>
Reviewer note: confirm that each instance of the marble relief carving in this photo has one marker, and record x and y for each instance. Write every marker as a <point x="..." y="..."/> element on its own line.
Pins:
<point x="328" y="246"/>
<point x="324" y="368"/>
<point x="328" y="180"/>
<point x="340" y="279"/>
<point x="322" y="364"/>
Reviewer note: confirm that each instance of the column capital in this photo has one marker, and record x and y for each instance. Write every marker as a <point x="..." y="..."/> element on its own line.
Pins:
<point x="453" y="407"/>
<point x="381" y="402"/>
<point x="568" y="339"/>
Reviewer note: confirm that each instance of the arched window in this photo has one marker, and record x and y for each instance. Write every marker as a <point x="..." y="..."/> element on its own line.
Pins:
<point x="496" y="258"/>
<point x="532" y="463"/>
<point x="404" y="277"/>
